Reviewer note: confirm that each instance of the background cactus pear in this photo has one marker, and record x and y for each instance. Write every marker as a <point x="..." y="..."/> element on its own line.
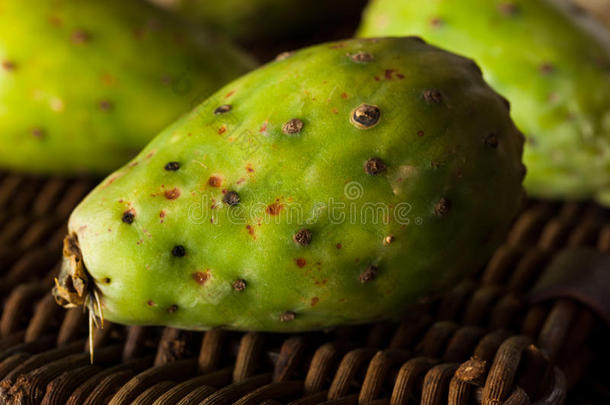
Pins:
<point x="84" y="84"/>
<point x="552" y="64"/>
<point x="337" y="184"/>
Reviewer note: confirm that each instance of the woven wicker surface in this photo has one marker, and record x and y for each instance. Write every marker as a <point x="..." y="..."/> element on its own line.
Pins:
<point x="480" y="343"/>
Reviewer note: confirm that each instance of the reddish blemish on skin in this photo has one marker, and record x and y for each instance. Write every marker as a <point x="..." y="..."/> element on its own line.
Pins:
<point x="344" y="95"/>
<point x="151" y="303"/>
<point x="320" y="282"/>
<point x="300" y="262"/>
<point x="112" y="179"/>
<point x="150" y="154"/>
<point x="339" y="246"/>
<point x="172" y="194"/>
<point x="241" y="180"/>
<point x="335" y="111"/>
<point x="251" y="231"/>
<point x="314" y="301"/>
<point x="249" y="168"/>
<point x="162" y="214"/>
<point x="222" y="130"/>
<point x="263" y="127"/>
<point x="274" y="209"/>
<point x="229" y="94"/>
<point x="377" y="78"/>
<point x="420" y="133"/>
<point x="436" y="22"/>
<point x="391" y="73"/>
<point x="214" y="181"/>
<point x="201" y="277"/>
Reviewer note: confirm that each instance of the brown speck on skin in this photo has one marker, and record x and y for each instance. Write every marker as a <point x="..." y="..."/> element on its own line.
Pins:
<point x="172" y="309"/>
<point x="303" y="237"/>
<point x="274" y="208"/>
<point x="239" y="285"/>
<point x="172" y="194"/>
<point x="231" y="198"/>
<point x="215" y="181"/>
<point x="491" y="140"/>
<point x="368" y="274"/>
<point x="287" y="316"/>
<point x="374" y="166"/>
<point x="106" y="280"/>
<point x="283" y="56"/>
<point x="442" y="207"/>
<point x="201" y="277"/>
<point x="433" y="96"/>
<point x="178" y="251"/>
<point x="339" y="246"/>
<point x="365" y="116"/>
<point x="150" y="303"/>
<point x="128" y="217"/>
<point x="435" y="164"/>
<point x="294" y="126"/>
<point x="223" y="109"/>
<point x="105" y="105"/>
<point x="420" y="133"/>
<point x="162" y="214"/>
<point x="547" y="68"/>
<point x="314" y="301"/>
<point x="388" y="240"/>
<point x="362" y="57"/>
<point x="8" y="65"/>
<point x="37" y="132"/>
<point x="172" y="166"/>
<point x="436" y="22"/>
<point x="80" y="37"/>
<point x="300" y="262"/>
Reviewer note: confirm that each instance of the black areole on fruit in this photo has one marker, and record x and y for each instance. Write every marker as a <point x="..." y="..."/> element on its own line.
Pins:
<point x="128" y="217"/>
<point x="303" y="237"/>
<point x="225" y="108"/>
<point x="374" y="166"/>
<point x="178" y="251"/>
<point x="365" y="116"/>
<point x="231" y="198"/>
<point x="172" y="166"/>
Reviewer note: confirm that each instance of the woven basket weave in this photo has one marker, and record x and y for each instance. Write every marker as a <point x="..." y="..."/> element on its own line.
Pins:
<point x="482" y="342"/>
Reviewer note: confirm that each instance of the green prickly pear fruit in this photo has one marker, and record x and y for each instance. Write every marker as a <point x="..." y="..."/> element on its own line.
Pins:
<point x="335" y="185"/>
<point x="84" y="84"/>
<point x="551" y="63"/>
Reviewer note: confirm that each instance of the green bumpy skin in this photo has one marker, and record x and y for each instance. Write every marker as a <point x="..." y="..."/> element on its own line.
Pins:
<point x="553" y="66"/>
<point x="84" y="84"/>
<point x="255" y="211"/>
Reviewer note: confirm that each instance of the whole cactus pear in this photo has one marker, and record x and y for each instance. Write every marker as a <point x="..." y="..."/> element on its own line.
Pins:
<point x="336" y="185"/>
<point x="84" y="84"/>
<point x="551" y="63"/>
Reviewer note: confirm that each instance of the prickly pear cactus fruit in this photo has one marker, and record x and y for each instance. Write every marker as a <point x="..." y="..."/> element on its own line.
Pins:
<point x="335" y="185"/>
<point x="552" y="64"/>
<point x="84" y="85"/>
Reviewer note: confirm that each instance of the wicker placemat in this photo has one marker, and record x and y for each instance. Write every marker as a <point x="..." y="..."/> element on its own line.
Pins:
<point x="482" y="342"/>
